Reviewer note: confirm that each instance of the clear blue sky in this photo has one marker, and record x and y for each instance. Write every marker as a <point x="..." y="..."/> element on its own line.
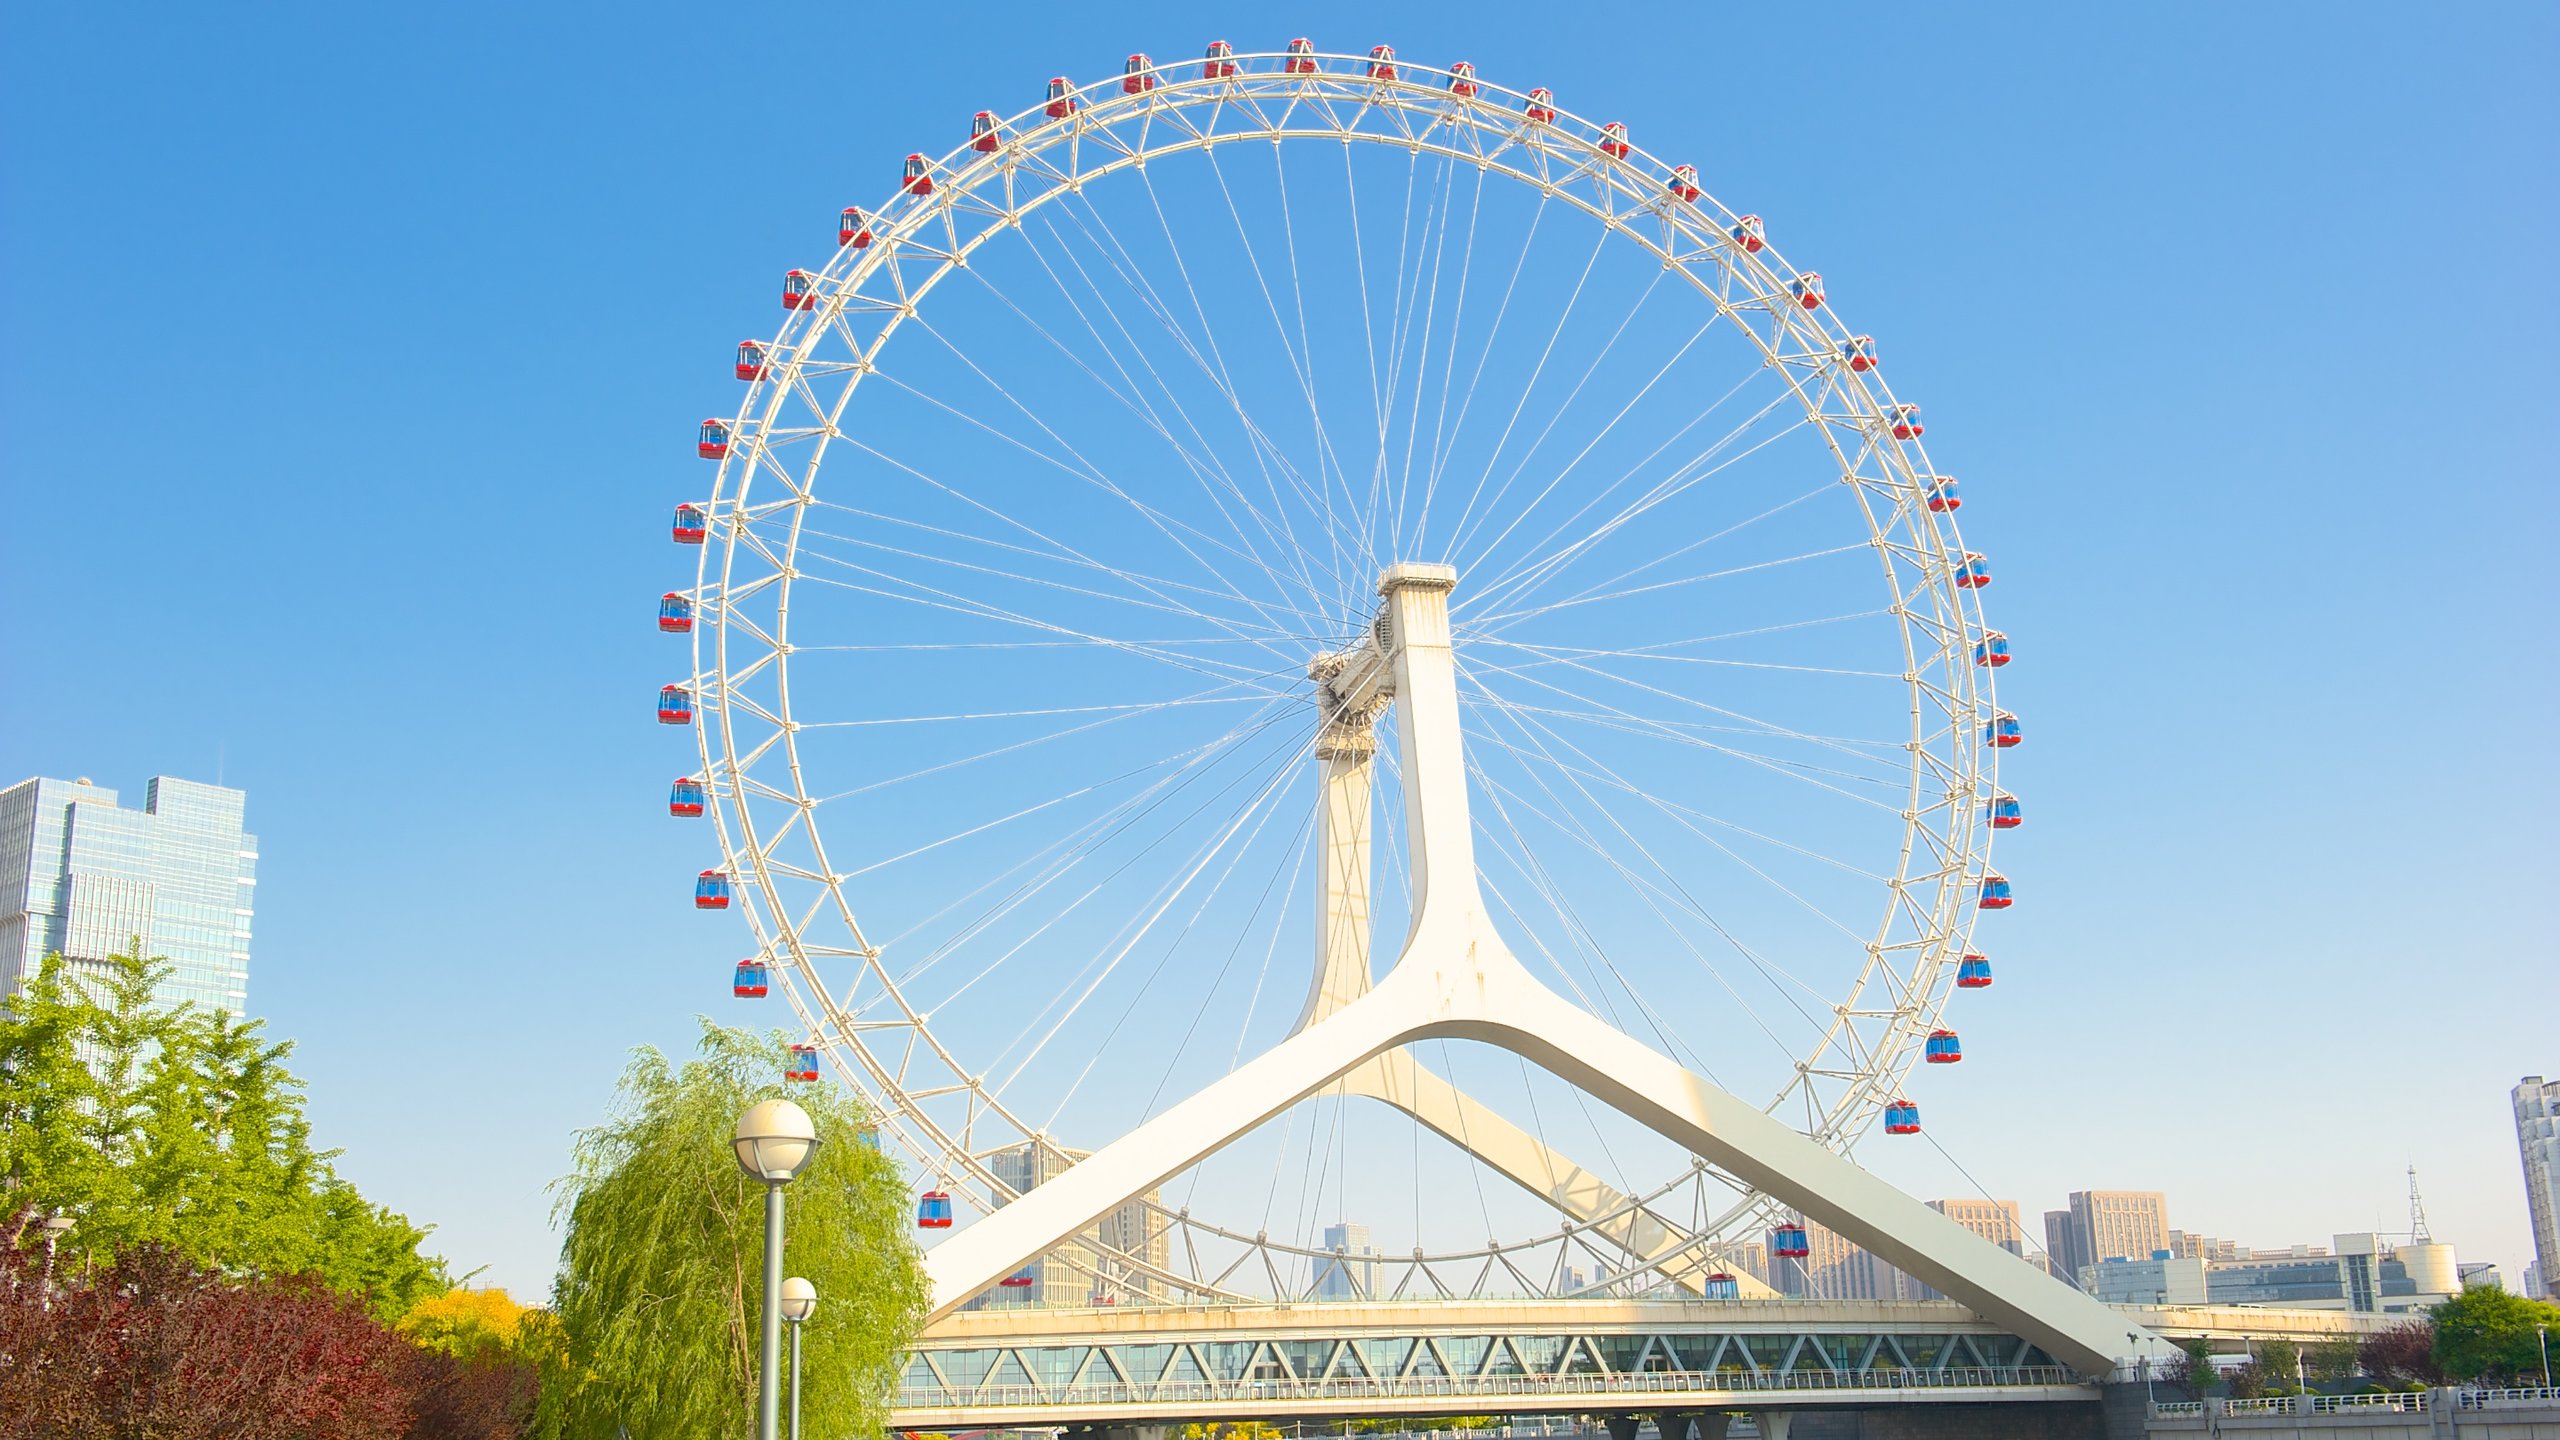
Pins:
<point x="351" y="359"/>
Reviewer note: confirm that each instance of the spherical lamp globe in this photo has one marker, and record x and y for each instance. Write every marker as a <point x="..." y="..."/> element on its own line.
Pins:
<point x="775" y="1140"/>
<point x="799" y="1299"/>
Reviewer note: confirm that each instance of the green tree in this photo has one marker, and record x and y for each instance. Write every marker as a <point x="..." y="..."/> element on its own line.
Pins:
<point x="2486" y="1333"/>
<point x="180" y="1126"/>
<point x="661" y="1271"/>
<point x="2280" y="1361"/>
<point x="2334" y="1359"/>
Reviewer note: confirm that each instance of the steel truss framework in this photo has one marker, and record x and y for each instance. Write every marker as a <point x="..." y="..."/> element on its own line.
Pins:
<point x="934" y="1105"/>
<point x="958" y="1383"/>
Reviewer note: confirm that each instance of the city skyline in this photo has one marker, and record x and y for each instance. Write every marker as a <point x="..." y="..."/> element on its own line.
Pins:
<point x="2215" y="857"/>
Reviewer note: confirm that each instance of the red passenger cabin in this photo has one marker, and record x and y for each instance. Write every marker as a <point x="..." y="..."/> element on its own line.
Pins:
<point x="803" y="1064"/>
<point x="675" y="705"/>
<point x="1382" y="62"/>
<point x="2002" y="731"/>
<point x="1860" y="352"/>
<point x="1020" y="1280"/>
<point x="1807" y="288"/>
<point x="799" y="290"/>
<point x="916" y="178"/>
<point x="1750" y="234"/>
<point x="982" y="132"/>
<point x="751" y="360"/>
<point x="1943" y="494"/>
<point x="1462" y="80"/>
<point x="1062" y="98"/>
<point x="1973" y="573"/>
<point x="1613" y="140"/>
<point x="675" y="613"/>
<point x="1991" y="650"/>
<point x="1540" y="107"/>
<point x="713" y="442"/>
<point x="711" y="891"/>
<point x="1904" y="422"/>
<point x="1138" y="76"/>
<point x="691" y="525"/>
<point x="1220" y="61"/>
<point x="1684" y="182"/>
<point x="853" y="228"/>
<point x="685" y="797"/>
<point x="750" y="981"/>
<point x="1301" y="59"/>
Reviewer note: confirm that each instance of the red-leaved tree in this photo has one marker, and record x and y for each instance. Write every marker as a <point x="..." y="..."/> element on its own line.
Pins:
<point x="149" y="1345"/>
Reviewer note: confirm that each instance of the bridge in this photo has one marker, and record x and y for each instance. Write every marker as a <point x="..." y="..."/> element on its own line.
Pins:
<point x="1310" y="1362"/>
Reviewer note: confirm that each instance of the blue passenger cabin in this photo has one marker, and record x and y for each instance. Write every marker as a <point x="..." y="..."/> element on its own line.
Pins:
<point x="675" y="614"/>
<point x="1995" y="892"/>
<point x="714" y="441"/>
<point x="691" y="525"/>
<point x="1943" y="1048"/>
<point x="675" y="705"/>
<point x="751" y="980"/>
<point x="1790" y="1242"/>
<point x="685" y="797"/>
<point x="1974" y="973"/>
<point x="803" y="1064"/>
<point x="1902" y="1118"/>
<point x="933" y="1210"/>
<point x="1721" y="1286"/>
<point x="1992" y="649"/>
<point x="2004" y="813"/>
<point x="711" y="891"/>
<point x="2001" y="731"/>
<point x="1944" y="497"/>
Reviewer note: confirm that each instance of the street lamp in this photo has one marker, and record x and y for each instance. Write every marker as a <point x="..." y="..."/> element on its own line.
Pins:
<point x="2543" y="1333"/>
<point x="774" y="1142"/>
<point x="2133" y="1338"/>
<point x="799" y="1302"/>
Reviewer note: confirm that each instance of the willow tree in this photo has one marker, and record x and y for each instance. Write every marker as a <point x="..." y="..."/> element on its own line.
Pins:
<point x="661" y="1272"/>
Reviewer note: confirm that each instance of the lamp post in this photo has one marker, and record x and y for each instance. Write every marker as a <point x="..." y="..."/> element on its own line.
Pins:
<point x="799" y="1302"/>
<point x="774" y="1142"/>
<point x="58" y="1224"/>
<point x="2543" y="1333"/>
<point x="2133" y="1338"/>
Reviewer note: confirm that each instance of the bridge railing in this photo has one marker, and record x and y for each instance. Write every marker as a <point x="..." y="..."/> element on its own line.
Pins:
<point x="1426" y="1387"/>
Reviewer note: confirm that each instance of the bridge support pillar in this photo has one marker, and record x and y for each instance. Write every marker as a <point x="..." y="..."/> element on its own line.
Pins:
<point x="1775" y="1424"/>
<point x="1624" y="1427"/>
<point x="1695" y="1425"/>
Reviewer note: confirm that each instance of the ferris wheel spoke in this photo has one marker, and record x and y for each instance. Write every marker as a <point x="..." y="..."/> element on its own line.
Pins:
<point x="1301" y="368"/>
<point x="1139" y="926"/>
<point x="1653" y="893"/>
<point x="1515" y="583"/>
<point x="1085" y="471"/>
<point x="1363" y="540"/>
<point x="1465" y="523"/>
<point x="1619" y="717"/>
<point x="1054" y="861"/>
<point x="1202" y="463"/>
<point x="1527" y="724"/>
<point x="1600" y="355"/>
<point x="1446" y="208"/>
<point x="1447" y="443"/>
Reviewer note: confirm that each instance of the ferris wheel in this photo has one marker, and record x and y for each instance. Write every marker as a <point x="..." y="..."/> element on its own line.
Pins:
<point x="1046" y="640"/>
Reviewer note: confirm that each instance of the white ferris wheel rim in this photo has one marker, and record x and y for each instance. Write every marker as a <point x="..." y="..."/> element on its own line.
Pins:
<point x="1183" y="111"/>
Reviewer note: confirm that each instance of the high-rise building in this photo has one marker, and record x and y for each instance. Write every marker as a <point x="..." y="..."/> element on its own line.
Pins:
<point x="82" y="875"/>
<point x="1104" y="1271"/>
<point x="1994" y="1220"/>
<point x="2538" y="1138"/>
<point x="1351" y="1271"/>
<point x="2118" y="1224"/>
<point x="2063" y="1255"/>
<point x="1840" y="1269"/>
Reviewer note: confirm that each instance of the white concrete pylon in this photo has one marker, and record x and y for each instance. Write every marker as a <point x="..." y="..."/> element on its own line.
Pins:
<point x="1456" y="979"/>
<point x="1352" y="689"/>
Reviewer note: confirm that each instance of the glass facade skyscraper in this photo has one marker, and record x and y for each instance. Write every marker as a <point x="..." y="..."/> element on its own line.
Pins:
<point x="83" y="875"/>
